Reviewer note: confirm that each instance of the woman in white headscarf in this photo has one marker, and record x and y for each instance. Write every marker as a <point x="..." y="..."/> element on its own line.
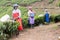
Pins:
<point x="47" y="16"/>
<point x="16" y="13"/>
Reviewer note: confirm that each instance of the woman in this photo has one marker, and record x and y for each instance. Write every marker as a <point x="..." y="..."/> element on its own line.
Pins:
<point x="31" y="16"/>
<point x="47" y="16"/>
<point x="16" y="13"/>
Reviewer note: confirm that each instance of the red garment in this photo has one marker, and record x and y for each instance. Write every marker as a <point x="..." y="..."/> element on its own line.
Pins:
<point x="15" y="16"/>
<point x="20" y="27"/>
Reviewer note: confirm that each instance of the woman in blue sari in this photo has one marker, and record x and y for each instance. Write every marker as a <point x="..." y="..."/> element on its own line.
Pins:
<point x="47" y="17"/>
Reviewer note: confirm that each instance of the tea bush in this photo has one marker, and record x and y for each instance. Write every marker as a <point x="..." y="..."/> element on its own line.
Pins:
<point x="11" y="28"/>
<point x="7" y="29"/>
<point x="38" y="20"/>
<point x="52" y="17"/>
<point x="51" y="1"/>
<point x="41" y="20"/>
<point x="3" y="36"/>
<point x="57" y="18"/>
<point x="22" y="2"/>
<point x="58" y="4"/>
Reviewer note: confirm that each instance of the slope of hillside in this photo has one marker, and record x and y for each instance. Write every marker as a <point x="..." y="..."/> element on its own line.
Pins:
<point x="52" y="7"/>
<point x="6" y="7"/>
<point x="22" y="2"/>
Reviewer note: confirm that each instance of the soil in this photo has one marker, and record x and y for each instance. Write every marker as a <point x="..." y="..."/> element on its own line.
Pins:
<point x="43" y="32"/>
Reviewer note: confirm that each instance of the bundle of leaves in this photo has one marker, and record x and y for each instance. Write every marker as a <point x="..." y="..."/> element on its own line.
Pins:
<point x="11" y="28"/>
<point x="57" y="18"/>
<point x="52" y="17"/>
<point x="2" y="35"/>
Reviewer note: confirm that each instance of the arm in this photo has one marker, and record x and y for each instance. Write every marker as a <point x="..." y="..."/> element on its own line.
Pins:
<point x="49" y="14"/>
<point x="28" y="14"/>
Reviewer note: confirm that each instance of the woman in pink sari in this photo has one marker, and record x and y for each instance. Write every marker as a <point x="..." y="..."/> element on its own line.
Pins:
<point x="31" y="15"/>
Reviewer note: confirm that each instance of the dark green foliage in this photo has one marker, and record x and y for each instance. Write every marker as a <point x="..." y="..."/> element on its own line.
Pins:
<point x="52" y="17"/>
<point x="57" y="18"/>
<point x="2" y="35"/>
<point x="59" y="4"/>
<point x="11" y="27"/>
<point x="51" y="1"/>
<point x="39" y="20"/>
<point x="8" y="29"/>
<point x="25" y="22"/>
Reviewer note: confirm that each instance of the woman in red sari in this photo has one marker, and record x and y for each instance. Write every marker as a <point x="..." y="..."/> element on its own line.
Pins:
<point x="16" y="13"/>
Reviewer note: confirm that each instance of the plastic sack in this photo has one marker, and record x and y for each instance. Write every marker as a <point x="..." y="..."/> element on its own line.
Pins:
<point x="5" y="18"/>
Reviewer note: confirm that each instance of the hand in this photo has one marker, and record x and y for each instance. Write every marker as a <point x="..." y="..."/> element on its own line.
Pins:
<point x="15" y="18"/>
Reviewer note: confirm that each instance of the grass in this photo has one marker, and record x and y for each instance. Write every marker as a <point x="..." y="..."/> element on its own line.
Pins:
<point x="51" y="1"/>
<point x="58" y="4"/>
<point x="4" y="9"/>
<point x="26" y="2"/>
<point x="8" y="9"/>
<point x="24" y="11"/>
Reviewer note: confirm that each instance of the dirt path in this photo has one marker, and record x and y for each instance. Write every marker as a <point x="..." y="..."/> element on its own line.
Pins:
<point x="45" y="32"/>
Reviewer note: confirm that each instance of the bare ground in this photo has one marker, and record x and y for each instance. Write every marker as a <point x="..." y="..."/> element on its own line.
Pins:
<point x="45" y="32"/>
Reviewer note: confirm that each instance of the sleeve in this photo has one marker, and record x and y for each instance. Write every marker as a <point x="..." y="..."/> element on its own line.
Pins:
<point x="28" y="13"/>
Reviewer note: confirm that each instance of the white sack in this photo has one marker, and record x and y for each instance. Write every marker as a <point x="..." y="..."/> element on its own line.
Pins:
<point x="5" y="18"/>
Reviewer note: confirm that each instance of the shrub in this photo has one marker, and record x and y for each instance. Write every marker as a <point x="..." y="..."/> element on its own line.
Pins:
<point x="25" y="22"/>
<point x="11" y="28"/>
<point x="57" y="18"/>
<point x="51" y="1"/>
<point x="38" y="20"/>
<point x="2" y="35"/>
<point x="52" y="17"/>
<point x="59" y="4"/>
<point x="7" y="29"/>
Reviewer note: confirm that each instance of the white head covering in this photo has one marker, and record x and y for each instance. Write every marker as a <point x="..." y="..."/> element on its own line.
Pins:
<point x="46" y="10"/>
<point x="15" y="5"/>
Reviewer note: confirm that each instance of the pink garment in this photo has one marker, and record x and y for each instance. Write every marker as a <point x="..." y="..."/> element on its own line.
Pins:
<point x="31" y="20"/>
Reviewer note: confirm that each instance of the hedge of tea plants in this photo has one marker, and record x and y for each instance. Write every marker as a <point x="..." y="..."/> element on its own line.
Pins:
<point x="8" y="29"/>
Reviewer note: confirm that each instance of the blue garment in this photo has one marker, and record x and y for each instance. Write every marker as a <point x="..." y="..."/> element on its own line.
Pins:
<point x="31" y="14"/>
<point x="47" y="17"/>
